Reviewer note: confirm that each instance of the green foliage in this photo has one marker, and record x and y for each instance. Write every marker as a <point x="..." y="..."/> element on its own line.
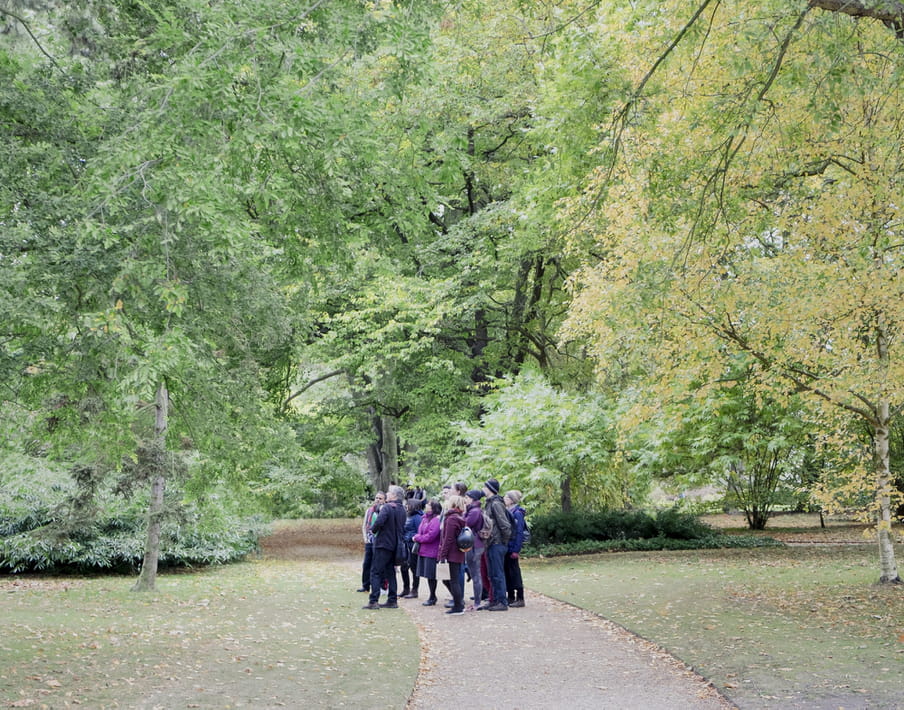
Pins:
<point x="710" y="542"/>
<point x="539" y="438"/>
<point x="567" y="528"/>
<point x="44" y="526"/>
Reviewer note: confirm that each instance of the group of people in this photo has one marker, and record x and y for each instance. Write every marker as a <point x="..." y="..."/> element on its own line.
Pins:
<point x="422" y="536"/>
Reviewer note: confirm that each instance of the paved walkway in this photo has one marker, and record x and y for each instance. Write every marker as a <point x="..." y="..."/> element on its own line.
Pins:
<point x="546" y="655"/>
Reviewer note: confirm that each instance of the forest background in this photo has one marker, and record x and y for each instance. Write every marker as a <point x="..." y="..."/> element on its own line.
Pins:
<point x="265" y="258"/>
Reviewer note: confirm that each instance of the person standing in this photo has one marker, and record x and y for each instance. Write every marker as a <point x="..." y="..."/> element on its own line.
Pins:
<point x="512" y="566"/>
<point x="453" y="524"/>
<point x="428" y="538"/>
<point x="369" y="517"/>
<point x="474" y="556"/>
<point x="497" y="544"/>
<point x="388" y="530"/>
<point x="412" y="523"/>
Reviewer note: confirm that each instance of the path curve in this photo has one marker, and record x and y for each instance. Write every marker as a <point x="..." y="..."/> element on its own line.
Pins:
<point x="548" y="654"/>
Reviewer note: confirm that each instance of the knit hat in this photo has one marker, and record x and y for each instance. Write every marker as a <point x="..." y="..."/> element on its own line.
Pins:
<point x="514" y="496"/>
<point x="493" y="486"/>
<point x="475" y="494"/>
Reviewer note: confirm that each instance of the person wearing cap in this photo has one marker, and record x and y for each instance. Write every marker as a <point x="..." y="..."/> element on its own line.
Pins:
<point x="512" y="566"/>
<point x="474" y="520"/>
<point x="497" y="544"/>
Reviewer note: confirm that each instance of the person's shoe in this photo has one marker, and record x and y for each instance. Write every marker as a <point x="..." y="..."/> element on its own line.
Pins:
<point x="388" y="605"/>
<point x="429" y="602"/>
<point x="410" y="595"/>
<point x="363" y="589"/>
<point x="371" y="605"/>
<point x="405" y="593"/>
<point x="484" y="606"/>
<point x="455" y="612"/>
<point x="498" y="607"/>
<point x="517" y="602"/>
<point x="450" y="604"/>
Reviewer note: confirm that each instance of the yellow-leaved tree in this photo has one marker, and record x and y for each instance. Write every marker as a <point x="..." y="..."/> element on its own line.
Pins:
<point x="749" y="201"/>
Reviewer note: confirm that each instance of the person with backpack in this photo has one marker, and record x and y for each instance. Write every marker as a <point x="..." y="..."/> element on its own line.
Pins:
<point x="388" y="530"/>
<point x="450" y="552"/>
<point x="512" y="566"/>
<point x="474" y="556"/>
<point x="497" y="544"/>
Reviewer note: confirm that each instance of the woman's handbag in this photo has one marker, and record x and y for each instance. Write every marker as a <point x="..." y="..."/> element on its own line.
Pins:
<point x="415" y="548"/>
<point x="401" y="553"/>
<point x="443" y="573"/>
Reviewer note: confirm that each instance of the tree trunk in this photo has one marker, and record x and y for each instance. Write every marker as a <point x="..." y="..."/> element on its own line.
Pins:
<point x="147" y="579"/>
<point x="390" y="451"/>
<point x="566" y="494"/>
<point x="888" y="566"/>
<point x="383" y="454"/>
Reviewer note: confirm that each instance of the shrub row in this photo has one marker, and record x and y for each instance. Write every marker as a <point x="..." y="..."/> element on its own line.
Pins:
<point x="588" y="547"/>
<point x="566" y="528"/>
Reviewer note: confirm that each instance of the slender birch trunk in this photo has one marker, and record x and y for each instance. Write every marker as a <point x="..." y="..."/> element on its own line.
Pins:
<point x="887" y="561"/>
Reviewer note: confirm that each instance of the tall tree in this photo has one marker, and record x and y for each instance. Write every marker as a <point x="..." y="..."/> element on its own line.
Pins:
<point x="752" y="206"/>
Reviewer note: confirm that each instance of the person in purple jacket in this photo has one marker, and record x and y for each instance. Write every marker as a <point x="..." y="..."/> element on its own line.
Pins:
<point x="473" y="557"/>
<point x="428" y="537"/>
<point x="453" y="524"/>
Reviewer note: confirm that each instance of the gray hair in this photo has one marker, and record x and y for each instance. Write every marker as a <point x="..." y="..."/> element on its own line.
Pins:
<point x="395" y="492"/>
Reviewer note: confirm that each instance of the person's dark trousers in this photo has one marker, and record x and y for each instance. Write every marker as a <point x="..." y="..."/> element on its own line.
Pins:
<point x="513" y="582"/>
<point x="365" y="566"/>
<point x="454" y="586"/>
<point x="383" y="567"/>
<point x="415" y="580"/>
<point x="495" y="555"/>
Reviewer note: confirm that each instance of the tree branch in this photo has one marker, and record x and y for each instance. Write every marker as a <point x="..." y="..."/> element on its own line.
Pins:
<point x="311" y="384"/>
<point x="889" y="12"/>
<point x="34" y="39"/>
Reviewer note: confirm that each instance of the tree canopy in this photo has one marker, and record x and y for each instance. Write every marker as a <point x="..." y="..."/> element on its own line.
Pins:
<point x="304" y="251"/>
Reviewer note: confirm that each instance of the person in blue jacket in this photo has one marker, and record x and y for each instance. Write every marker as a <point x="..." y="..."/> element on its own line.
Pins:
<point x="513" y="583"/>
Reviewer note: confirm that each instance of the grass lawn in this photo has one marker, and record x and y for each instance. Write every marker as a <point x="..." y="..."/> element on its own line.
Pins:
<point x="258" y="634"/>
<point x="801" y="627"/>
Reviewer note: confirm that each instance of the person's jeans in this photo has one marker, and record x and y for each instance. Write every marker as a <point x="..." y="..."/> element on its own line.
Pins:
<point x="473" y="558"/>
<point x="383" y="567"/>
<point x="495" y="567"/>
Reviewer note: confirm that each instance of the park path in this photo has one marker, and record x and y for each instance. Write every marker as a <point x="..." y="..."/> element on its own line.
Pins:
<point x="547" y="654"/>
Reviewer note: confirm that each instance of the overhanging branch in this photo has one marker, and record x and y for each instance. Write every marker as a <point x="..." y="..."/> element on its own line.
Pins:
<point x="889" y="12"/>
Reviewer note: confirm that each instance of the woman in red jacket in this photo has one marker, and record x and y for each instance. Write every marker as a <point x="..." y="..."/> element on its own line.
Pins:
<point x="453" y="524"/>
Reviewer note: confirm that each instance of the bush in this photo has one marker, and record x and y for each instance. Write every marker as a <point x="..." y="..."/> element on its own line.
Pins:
<point x="556" y="528"/>
<point x="589" y="547"/>
<point x="40" y="532"/>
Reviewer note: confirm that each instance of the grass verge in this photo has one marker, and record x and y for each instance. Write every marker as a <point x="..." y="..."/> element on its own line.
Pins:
<point x="268" y="633"/>
<point x="796" y="627"/>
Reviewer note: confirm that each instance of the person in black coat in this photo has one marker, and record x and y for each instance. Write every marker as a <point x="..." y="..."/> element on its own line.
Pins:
<point x="388" y="530"/>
